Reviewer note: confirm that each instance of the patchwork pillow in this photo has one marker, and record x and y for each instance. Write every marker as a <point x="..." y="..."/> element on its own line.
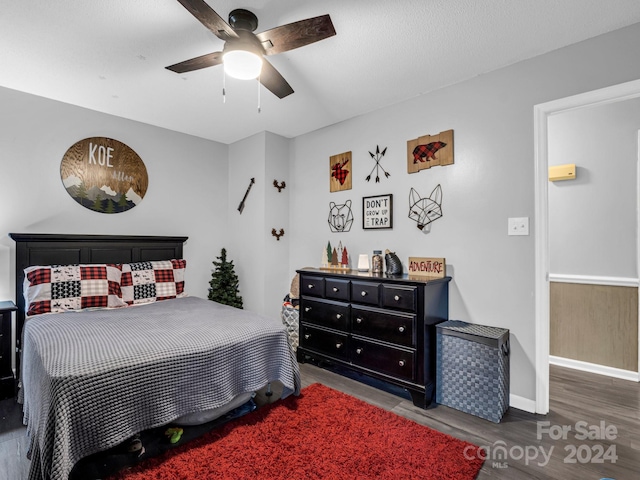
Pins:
<point x="60" y="288"/>
<point x="146" y="282"/>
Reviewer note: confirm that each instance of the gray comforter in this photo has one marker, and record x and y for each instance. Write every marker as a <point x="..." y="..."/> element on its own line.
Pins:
<point x="92" y="379"/>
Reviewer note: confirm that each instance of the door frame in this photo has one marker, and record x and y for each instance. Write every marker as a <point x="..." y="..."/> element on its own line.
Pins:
<point x="541" y="113"/>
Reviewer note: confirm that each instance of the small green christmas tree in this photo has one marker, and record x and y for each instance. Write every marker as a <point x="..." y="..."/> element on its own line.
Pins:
<point x="224" y="282"/>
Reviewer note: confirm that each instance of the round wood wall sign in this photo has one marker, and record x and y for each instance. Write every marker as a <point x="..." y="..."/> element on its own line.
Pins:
<point x="104" y="175"/>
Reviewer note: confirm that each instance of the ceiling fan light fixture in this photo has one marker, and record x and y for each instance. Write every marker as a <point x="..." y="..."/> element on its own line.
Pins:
<point x="243" y="51"/>
<point x="242" y="64"/>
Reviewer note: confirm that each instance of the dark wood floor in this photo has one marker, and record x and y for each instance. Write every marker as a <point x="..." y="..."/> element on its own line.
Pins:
<point x="601" y="403"/>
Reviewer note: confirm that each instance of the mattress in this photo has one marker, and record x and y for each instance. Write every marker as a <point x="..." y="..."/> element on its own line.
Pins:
<point x="92" y="379"/>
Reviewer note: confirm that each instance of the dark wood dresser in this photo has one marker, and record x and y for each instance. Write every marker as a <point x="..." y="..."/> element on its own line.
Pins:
<point x="379" y="325"/>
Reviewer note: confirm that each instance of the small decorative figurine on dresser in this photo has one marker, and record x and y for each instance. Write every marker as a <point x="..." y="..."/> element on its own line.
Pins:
<point x="363" y="262"/>
<point x="376" y="262"/>
<point x="335" y="258"/>
<point x="393" y="263"/>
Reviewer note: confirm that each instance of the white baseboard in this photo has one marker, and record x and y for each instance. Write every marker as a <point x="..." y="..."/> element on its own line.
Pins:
<point x="594" y="280"/>
<point x="522" y="403"/>
<point x="593" y="368"/>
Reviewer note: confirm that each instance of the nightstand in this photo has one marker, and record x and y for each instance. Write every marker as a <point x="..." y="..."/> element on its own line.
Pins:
<point x="7" y="380"/>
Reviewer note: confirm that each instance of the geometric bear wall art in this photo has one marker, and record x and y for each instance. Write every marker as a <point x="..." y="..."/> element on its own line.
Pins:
<point x="340" y="217"/>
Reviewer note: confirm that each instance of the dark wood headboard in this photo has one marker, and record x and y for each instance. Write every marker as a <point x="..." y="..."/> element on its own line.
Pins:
<point x="53" y="249"/>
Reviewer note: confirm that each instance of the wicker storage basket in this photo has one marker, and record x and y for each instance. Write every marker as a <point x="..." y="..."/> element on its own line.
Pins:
<point x="290" y="317"/>
<point x="472" y="369"/>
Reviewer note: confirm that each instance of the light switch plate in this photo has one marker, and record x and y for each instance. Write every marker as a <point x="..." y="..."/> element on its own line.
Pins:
<point x="518" y="226"/>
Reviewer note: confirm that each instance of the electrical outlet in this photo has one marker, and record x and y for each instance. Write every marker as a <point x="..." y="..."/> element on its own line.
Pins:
<point x="518" y="226"/>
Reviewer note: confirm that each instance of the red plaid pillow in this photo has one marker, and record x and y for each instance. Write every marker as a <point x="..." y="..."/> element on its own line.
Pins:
<point x="146" y="282"/>
<point x="60" y="288"/>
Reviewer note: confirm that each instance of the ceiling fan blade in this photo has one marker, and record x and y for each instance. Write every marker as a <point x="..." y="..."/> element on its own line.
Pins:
<point x="274" y="81"/>
<point x="204" y="61"/>
<point x="296" y="34"/>
<point x="209" y="18"/>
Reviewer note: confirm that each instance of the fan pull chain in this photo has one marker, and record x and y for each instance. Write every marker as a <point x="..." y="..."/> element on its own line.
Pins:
<point x="224" y="90"/>
<point x="259" y="93"/>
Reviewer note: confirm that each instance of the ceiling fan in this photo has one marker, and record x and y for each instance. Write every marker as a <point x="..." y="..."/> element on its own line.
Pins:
<point x="240" y="41"/>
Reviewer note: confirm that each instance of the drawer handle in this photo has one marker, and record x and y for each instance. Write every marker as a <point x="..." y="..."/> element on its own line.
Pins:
<point x="401" y="329"/>
<point x="338" y="345"/>
<point x="397" y="298"/>
<point x="401" y="363"/>
<point x="364" y="294"/>
<point x="358" y="320"/>
<point x="307" y="309"/>
<point x="358" y="351"/>
<point x="310" y="286"/>
<point x="307" y="336"/>
<point x="335" y="289"/>
<point x="338" y="316"/>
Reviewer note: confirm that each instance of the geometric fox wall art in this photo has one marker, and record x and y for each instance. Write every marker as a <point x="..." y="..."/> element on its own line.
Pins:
<point x="425" y="210"/>
<point x="430" y="150"/>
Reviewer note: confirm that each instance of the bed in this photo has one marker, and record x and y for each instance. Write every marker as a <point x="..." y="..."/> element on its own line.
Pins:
<point x="91" y="377"/>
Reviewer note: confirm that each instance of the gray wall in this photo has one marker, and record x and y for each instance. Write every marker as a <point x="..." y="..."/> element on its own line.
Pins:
<point x="276" y="204"/>
<point x="196" y="185"/>
<point x="246" y="230"/>
<point x="593" y="220"/>
<point x="187" y="192"/>
<point x="260" y="260"/>
<point x="492" y="179"/>
<point x="593" y="241"/>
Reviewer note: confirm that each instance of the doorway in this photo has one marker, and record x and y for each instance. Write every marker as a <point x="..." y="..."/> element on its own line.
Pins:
<point x="542" y="113"/>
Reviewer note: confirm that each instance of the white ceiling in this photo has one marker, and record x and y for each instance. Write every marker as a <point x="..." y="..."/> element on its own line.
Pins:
<point x="110" y="55"/>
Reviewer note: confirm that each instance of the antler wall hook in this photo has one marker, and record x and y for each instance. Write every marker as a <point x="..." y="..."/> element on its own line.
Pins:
<point x="279" y="186"/>
<point x="276" y="234"/>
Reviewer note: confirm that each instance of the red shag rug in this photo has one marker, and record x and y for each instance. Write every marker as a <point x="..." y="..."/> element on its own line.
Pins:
<point x="322" y="434"/>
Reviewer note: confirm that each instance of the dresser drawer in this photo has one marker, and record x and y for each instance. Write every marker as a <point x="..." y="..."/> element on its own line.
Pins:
<point x="324" y="341"/>
<point x="400" y="297"/>
<point x="310" y="285"/>
<point x="364" y="292"/>
<point x="326" y="313"/>
<point x="397" y="362"/>
<point x="336" y="289"/>
<point x="384" y="325"/>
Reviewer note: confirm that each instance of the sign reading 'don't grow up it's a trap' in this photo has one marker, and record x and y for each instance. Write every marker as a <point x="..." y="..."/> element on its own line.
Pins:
<point x="104" y="175"/>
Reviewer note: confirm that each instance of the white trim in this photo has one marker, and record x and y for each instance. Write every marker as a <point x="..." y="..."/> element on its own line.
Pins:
<point x="603" y="96"/>
<point x="542" y="259"/>
<point x="594" y="280"/>
<point x="541" y="112"/>
<point x="638" y="236"/>
<point x="521" y="403"/>
<point x="594" y="368"/>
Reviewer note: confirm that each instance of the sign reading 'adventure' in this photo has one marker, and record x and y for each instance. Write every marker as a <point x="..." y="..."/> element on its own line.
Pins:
<point x="427" y="267"/>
